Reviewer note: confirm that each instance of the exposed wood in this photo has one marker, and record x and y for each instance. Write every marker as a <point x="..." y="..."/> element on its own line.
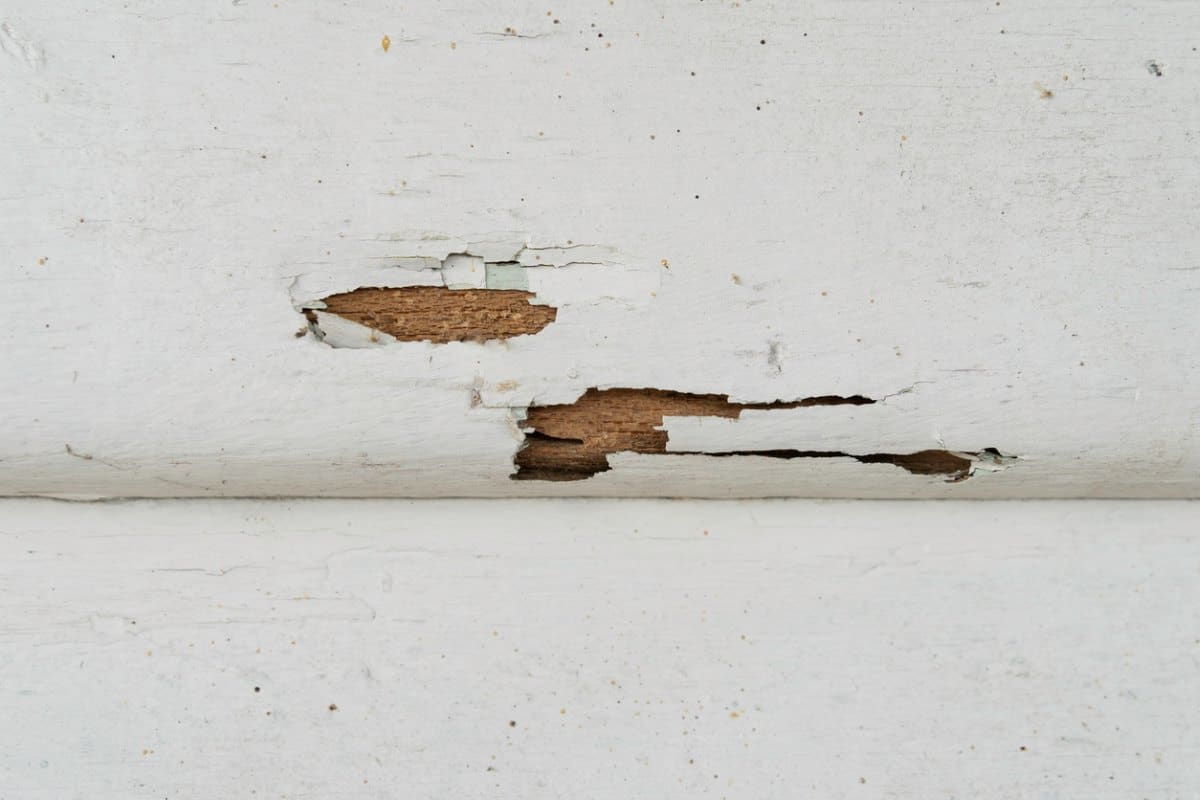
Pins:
<point x="440" y="315"/>
<point x="573" y="441"/>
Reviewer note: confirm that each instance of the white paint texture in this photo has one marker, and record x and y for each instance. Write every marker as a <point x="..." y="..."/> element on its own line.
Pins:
<point x="659" y="649"/>
<point x="991" y="205"/>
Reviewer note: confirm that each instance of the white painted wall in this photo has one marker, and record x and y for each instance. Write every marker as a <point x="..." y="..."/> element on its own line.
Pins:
<point x="768" y="649"/>
<point x="984" y="214"/>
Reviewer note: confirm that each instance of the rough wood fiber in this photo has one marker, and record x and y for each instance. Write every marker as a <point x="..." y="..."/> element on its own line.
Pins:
<point x="440" y="315"/>
<point x="573" y="441"/>
<point x="981" y="216"/>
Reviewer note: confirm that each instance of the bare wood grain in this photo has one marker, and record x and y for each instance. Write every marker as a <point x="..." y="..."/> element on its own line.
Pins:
<point x="440" y="315"/>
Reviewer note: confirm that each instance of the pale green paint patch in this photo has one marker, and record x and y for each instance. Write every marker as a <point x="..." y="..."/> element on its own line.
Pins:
<point x="507" y="276"/>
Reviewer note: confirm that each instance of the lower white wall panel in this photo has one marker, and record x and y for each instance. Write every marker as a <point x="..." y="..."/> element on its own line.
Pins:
<point x="608" y="649"/>
<point x="980" y="216"/>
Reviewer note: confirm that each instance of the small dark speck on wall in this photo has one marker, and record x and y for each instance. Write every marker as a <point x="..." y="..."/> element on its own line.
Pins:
<point x="1154" y="68"/>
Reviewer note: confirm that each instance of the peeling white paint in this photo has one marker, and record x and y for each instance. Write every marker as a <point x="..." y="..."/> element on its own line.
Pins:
<point x="337" y="331"/>
<point x="462" y="271"/>
<point x="773" y="216"/>
<point x="557" y="275"/>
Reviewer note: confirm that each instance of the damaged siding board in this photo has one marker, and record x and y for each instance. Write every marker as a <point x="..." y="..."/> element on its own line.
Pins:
<point x="375" y="270"/>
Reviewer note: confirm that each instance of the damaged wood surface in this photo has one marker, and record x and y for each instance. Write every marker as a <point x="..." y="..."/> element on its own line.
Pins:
<point x="440" y="315"/>
<point x="572" y="441"/>
<point x="230" y="271"/>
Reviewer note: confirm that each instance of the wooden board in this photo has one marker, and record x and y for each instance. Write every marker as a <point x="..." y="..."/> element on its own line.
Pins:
<point x="598" y="649"/>
<point x="979" y="216"/>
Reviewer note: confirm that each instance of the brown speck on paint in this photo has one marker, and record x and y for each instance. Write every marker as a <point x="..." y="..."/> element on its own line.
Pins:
<point x="333" y="706"/>
<point x="385" y="42"/>
<point x="301" y="333"/>
<point x="737" y="279"/>
<point x="41" y="262"/>
<point x="734" y="714"/>
<point x="512" y="723"/>
<point x="666" y="264"/>
<point x="454" y="45"/>
<point x="1043" y="92"/>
